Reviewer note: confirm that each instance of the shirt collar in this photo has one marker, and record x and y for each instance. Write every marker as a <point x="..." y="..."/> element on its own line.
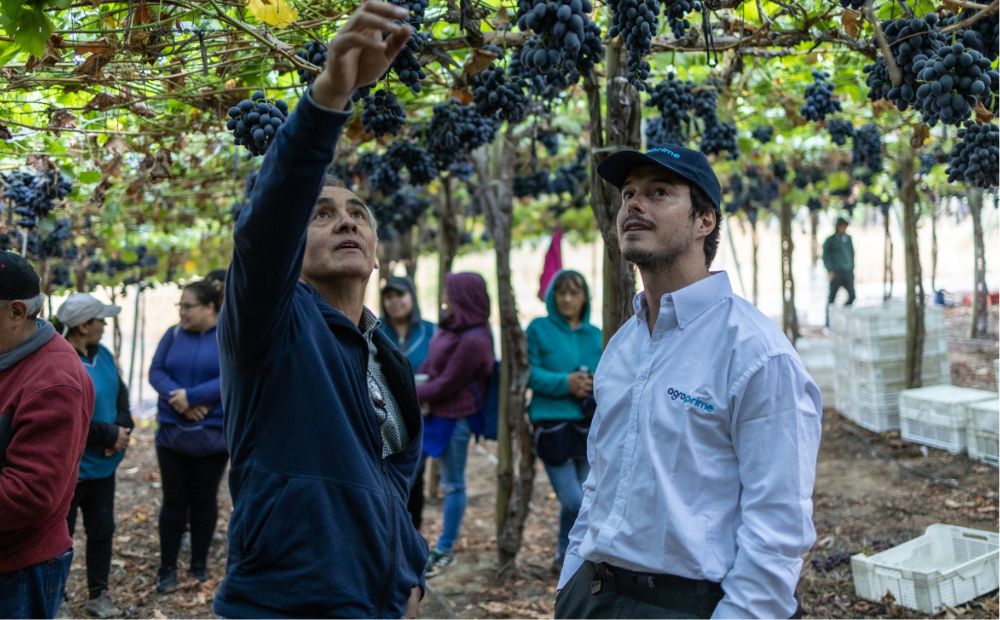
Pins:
<point x="691" y="301"/>
<point x="369" y="322"/>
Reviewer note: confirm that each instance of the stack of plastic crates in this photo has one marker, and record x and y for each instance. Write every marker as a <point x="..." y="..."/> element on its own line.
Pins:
<point x="870" y="349"/>
<point x="938" y="416"/>
<point x="817" y="357"/>
<point x="982" y="431"/>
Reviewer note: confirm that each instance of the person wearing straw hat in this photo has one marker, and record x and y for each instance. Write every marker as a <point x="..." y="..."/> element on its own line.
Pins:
<point x="46" y="401"/>
<point x="82" y="317"/>
<point x="703" y="446"/>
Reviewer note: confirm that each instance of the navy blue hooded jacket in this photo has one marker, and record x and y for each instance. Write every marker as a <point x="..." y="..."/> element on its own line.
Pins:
<point x="319" y="525"/>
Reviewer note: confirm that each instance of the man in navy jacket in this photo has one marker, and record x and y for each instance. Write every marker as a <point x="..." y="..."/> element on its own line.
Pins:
<point x="322" y="421"/>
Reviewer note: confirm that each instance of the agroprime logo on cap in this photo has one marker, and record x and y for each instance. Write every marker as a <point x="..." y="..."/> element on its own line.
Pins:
<point x="663" y="149"/>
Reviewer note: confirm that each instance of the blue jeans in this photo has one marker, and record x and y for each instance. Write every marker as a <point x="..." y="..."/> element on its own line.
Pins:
<point x="453" y="484"/>
<point x="35" y="591"/>
<point x="567" y="481"/>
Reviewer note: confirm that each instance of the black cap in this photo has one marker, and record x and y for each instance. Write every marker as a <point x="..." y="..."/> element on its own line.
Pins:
<point x="842" y="222"/>
<point x="17" y="279"/>
<point x="399" y="284"/>
<point x="692" y="165"/>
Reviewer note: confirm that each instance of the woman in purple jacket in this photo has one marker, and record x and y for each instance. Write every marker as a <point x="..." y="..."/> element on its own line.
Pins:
<point x="458" y="368"/>
<point x="190" y="441"/>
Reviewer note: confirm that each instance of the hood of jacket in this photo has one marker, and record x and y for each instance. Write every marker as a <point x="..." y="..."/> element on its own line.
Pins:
<point x="468" y="301"/>
<point x="550" y="301"/>
<point x="406" y="284"/>
<point x="35" y="341"/>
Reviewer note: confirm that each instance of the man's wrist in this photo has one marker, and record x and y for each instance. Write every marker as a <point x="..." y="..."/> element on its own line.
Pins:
<point x="326" y="95"/>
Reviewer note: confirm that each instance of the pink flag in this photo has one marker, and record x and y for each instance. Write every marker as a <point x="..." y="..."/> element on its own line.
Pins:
<point x="553" y="262"/>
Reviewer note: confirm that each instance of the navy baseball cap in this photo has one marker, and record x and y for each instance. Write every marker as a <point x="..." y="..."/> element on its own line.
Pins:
<point x="691" y="165"/>
<point x="17" y="279"/>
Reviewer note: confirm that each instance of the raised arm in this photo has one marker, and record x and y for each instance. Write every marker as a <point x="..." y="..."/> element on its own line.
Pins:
<point x="270" y="233"/>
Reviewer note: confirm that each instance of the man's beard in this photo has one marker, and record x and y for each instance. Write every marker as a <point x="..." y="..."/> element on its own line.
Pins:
<point x="656" y="260"/>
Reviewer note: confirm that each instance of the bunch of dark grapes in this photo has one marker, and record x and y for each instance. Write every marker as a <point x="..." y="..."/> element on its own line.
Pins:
<point x="673" y="98"/>
<point x="255" y="121"/>
<point x="706" y="101"/>
<point x="676" y="12"/>
<point x="495" y="96"/>
<point x="461" y="168"/>
<point x="657" y="133"/>
<point x="417" y="8"/>
<point x="814" y="204"/>
<point x="550" y="140"/>
<point x="33" y="195"/>
<point x="636" y="21"/>
<point x="570" y="178"/>
<point x="60" y="276"/>
<point x="983" y="35"/>
<point x="400" y="211"/>
<point x="566" y="44"/>
<point x="457" y="129"/>
<point x="840" y="130"/>
<point x="719" y="137"/>
<point x="415" y="159"/>
<point x="531" y="185"/>
<point x="952" y="81"/>
<point x="910" y="40"/>
<point x="52" y="243"/>
<point x="381" y="172"/>
<point x="382" y="113"/>
<point x="763" y="133"/>
<point x="856" y="5"/>
<point x="819" y="98"/>
<point x="974" y="157"/>
<point x="534" y="83"/>
<point x="867" y="152"/>
<point x="407" y="65"/>
<point x="779" y="170"/>
<point x="807" y="175"/>
<point x="314" y="53"/>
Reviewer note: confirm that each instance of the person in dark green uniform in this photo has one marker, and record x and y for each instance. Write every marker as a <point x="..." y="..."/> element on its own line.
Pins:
<point x="838" y="258"/>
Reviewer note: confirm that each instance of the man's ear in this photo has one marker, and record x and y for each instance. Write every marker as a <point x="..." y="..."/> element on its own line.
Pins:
<point x="18" y="309"/>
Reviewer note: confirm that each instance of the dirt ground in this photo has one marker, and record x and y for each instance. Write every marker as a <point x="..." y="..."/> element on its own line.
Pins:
<point x="873" y="491"/>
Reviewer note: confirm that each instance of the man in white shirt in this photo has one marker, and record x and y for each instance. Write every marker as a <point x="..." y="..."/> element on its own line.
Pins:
<point x="703" y="448"/>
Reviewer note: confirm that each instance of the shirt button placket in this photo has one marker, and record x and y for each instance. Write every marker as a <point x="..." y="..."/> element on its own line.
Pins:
<point x="631" y="437"/>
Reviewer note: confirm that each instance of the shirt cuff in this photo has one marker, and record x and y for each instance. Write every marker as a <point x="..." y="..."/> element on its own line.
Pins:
<point x="348" y="112"/>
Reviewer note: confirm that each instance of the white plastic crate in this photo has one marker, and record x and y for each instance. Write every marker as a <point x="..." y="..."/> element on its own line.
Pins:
<point x="877" y="418"/>
<point x="983" y="432"/>
<point x="947" y="565"/>
<point x="933" y="370"/>
<point x="889" y="320"/>
<point x="936" y="416"/>
<point x="893" y="349"/>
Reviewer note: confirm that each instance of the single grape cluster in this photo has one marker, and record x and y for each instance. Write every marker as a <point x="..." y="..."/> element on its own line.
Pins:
<point x="856" y="5"/>
<point x="531" y="185"/>
<point x="951" y="82"/>
<point x="496" y="96"/>
<point x="382" y="113"/>
<point x="565" y="46"/>
<point x="975" y="158"/>
<point x="34" y="195"/>
<point x="457" y="129"/>
<point x="550" y="140"/>
<point x="255" y="121"/>
<point x="910" y="41"/>
<point x="380" y="171"/>
<point x="314" y="53"/>
<point x="400" y="211"/>
<point x="657" y="133"/>
<point x="983" y="35"/>
<point x="407" y="65"/>
<point x="636" y="21"/>
<point x="840" y="130"/>
<point x="570" y="178"/>
<point x="719" y="137"/>
<point x="677" y="12"/>
<point x="673" y="98"/>
<point x="763" y="133"/>
<point x="867" y="151"/>
<point x="417" y="8"/>
<point x="819" y="98"/>
<point x="807" y="175"/>
<point x="415" y="159"/>
<point x="814" y="204"/>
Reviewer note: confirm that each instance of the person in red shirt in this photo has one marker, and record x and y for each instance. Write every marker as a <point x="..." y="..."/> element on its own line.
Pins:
<point x="46" y="402"/>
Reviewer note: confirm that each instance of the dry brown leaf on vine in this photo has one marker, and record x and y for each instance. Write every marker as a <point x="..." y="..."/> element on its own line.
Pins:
<point x="100" y="46"/>
<point x="94" y="65"/>
<point x="356" y="131"/>
<point x="103" y="101"/>
<point x="791" y="108"/>
<point x="882" y="105"/>
<point x="158" y="167"/>
<point x="921" y="133"/>
<point x="49" y="57"/>
<point x="982" y="114"/>
<point x="476" y="63"/>
<point x="142" y="109"/>
<point x="61" y="119"/>
<point x="851" y="22"/>
<point x="462" y="95"/>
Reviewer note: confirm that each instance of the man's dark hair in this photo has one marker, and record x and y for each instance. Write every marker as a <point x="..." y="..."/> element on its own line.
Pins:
<point x="208" y="292"/>
<point x="700" y="204"/>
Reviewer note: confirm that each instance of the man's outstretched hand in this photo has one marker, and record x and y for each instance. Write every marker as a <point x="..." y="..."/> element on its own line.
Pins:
<point x="358" y="55"/>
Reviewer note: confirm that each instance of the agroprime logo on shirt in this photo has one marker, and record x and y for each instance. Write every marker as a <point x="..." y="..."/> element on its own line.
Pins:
<point x="675" y="394"/>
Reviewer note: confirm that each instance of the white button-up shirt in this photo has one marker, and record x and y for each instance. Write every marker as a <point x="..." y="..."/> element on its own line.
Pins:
<point x="702" y="451"/>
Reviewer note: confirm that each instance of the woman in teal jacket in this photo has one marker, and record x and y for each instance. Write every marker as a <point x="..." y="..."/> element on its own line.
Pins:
<point x="563" y="349"/>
